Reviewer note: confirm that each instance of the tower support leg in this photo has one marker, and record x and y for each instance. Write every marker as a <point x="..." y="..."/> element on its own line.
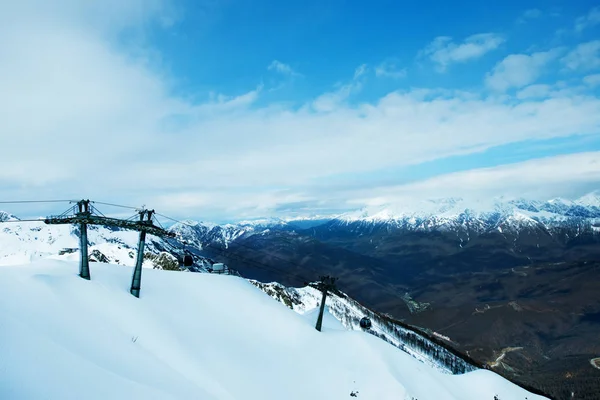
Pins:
<point x="321" y="310"/>
<point x="84" y="266"/>
<point x="136" y="281"/>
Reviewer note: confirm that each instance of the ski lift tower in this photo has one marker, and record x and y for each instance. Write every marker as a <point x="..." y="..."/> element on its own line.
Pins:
<point x="84" y="214"/>
<point x="326" y="285"/>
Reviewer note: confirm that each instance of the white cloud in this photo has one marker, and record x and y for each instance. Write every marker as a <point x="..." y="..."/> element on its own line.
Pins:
<point x="566" y="175"/>
<point x="534" y="91"/>
<point x="589" y="20"/>
<point x="389" y="69"/>
<point x="220" y="103"/>
<point x="331" y="101"/>
<point x="532" y="13"/>
<point x="360" y="71"/>
<point x="443" y="51"/>
<point x="559" y="89"/>
<point x="518" y="70"/>
<point x="85" y="116"/>
<point x="282" y="68"/>
<point x="592" y="80"/>
<point x="66" y="83"/>
<point x="297" y="149"/>
<point x="585" y="56"/>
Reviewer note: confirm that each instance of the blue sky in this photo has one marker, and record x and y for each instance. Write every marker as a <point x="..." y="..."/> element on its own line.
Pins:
<point x="227" y="47"/>
<point x="223" y="110"/>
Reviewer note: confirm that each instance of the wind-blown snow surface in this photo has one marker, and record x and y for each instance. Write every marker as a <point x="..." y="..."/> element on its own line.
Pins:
<point x="24" y="242"/>
<point x="194" y="336"/>
<point x="348" y="313"/>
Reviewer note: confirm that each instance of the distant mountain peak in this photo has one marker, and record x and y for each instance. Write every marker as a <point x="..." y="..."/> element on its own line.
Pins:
<point x="591" y="199"/>
<point x="504" y="214"/>
<point x="262" y="222"/>
<point x="4" y="216"/>
<point x="519" y="208"/>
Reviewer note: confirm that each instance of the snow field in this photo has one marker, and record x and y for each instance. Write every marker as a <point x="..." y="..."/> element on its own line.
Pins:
<point x="194" y="336"/>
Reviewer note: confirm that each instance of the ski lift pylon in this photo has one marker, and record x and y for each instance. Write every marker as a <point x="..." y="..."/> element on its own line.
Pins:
<point x="188" y="260"/>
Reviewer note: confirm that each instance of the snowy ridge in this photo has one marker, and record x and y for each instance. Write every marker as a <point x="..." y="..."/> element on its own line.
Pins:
<point x="190" y="231"/>
<point x="200" y="234"/>
<point x="25" y="242"/>
<point x="4" y="216"/>
<point x="349" y="312"/>
<point x="261" y="222"/>
<point x="589" y="200"/>
<point x="195" y="336"/>
<point x="464" y="217"/>
<point x="450" y="207"/>
<point x="444" y="211"/>
<point x="446" y="214"/>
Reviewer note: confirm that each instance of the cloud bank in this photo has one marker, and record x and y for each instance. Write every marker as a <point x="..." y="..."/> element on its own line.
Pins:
<point x="89" y="112"/>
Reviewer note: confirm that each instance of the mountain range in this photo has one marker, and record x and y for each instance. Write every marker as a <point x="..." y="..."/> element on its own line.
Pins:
<point x="510" y="283"/>
<point x="448" y="214"/>
<point x="38" y="244"/>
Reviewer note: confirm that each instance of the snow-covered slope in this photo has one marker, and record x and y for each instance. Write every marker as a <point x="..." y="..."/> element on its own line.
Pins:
<point x="22" y="242"/>
<point x="194" y="336"/>
<point x="349" y="312"/>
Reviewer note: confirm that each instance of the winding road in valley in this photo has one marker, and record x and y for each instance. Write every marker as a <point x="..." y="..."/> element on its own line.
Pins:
<point x="503" y="354"/>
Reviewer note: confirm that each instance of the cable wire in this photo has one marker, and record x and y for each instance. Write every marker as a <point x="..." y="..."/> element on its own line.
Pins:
<point x="95" y="210"/>
<point x="21" y="220"/>
<point x="229" y="254"/>
<point x="115" y="205"/>
<point x="173" y="219"/>
<point x="35" y="201"/>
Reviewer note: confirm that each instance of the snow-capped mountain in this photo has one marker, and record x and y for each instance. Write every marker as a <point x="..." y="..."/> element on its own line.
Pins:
<point x="194" y="336"/>
<point x="201" y="234"/>
<point x="458" y="215"/>
<point x="4" y="216"/>
<point x="589" y="200"/>
<point x="191" y="231"/>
